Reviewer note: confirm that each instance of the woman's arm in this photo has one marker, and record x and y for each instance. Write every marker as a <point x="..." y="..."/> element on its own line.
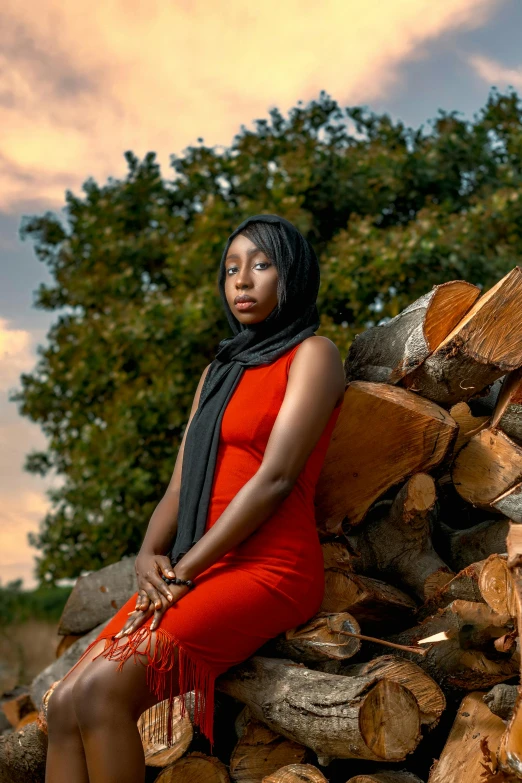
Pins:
<point x="152" y="560"/>
<point x="163" y="523"/>
<point x="316" y="382"/>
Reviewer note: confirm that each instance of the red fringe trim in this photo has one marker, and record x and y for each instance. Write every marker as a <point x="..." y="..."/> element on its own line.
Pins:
<point x="194" y="675"/>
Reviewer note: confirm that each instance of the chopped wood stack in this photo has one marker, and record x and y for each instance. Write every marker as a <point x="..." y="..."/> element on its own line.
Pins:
<point x="410" y="671"/>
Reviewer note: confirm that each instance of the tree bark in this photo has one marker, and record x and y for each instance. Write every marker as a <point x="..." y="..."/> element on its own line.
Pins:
<point x="484" y="345"/>
<point x="398" y="546"/>
<point x="384" y="354"/>
<point x="339" y="717"/>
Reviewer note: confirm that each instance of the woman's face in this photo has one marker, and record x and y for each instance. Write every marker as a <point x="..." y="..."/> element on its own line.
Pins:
<point x="249" y="273"/>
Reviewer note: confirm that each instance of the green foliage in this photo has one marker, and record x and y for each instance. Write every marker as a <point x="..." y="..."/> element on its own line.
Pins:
<point x="389" y="209"/>
<point x="18" y="605"/>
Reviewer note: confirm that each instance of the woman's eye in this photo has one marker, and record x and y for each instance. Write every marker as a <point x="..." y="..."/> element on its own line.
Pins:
<point x="233" y="268"/>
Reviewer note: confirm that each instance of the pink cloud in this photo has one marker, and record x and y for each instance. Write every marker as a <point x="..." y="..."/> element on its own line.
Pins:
<point x="127" y="76"/>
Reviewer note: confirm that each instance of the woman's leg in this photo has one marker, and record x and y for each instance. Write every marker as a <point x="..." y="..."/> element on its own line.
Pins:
<point x="66" y="761"/>
<point x="107" y="704"/>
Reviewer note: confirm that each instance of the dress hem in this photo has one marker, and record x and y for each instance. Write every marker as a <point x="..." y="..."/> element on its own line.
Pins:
<point x="194" y="675"/>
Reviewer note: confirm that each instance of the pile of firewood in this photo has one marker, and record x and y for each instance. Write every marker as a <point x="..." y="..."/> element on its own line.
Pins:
<point x="410" y="672"/>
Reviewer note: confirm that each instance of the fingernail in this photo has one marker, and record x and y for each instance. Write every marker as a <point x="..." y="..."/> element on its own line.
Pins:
<point x="169" y="597"/>
<point x="171" y="573"/>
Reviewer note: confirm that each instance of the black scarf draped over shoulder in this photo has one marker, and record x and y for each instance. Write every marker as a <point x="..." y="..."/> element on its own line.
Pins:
<point x="252" y="345"/>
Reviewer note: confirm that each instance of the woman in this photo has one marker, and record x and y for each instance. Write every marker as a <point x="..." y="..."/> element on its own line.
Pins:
<point x="246" y="553"/>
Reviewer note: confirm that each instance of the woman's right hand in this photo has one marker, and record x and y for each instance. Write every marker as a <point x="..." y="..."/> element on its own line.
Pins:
<point x="151" y="587"/>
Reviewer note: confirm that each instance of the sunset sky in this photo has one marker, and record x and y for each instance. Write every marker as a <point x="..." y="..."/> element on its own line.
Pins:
<point x="82" y="82"/>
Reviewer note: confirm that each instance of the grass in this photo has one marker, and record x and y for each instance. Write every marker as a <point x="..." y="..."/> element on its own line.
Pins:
<point x="28" y="631"/>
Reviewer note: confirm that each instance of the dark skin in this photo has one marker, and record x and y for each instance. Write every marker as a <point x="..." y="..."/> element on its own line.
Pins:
<point x="92" y="728"/>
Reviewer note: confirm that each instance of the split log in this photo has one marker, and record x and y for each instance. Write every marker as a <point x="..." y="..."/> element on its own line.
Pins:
<point x="338" y="717"/>
<point x="261" y="751"/>
<point x="501" y="700"/>
<point x="385" y="353"/>
<point x="497" y="586"/>
<point x="464" y="586"/>
<point x="336" y="555"/>
<point x="195" y="768"/>
<point x="368" y="600"/>
<point x="465" y="657"/>
<point x="508" y="411"/>
<point x="16" y="709"/>
<point x="386" y="777"/>
<point x="323" y="638"/>
<point x="31" y="717"/>
<point x="510" y="747"/>
<point x="461" y="548"/>
<point x="484" y="345"/>
<point x="485" y="468"/>
<point x="468" y="423"/>
<point x="429" y="696"/>
<point x="157" y="754"/>
<point x="398" y="545"/>
<point x="97" y="596"/>
<point x="352" y="478"/>
<point x="296" y="773"/>
<point x="462" y="759"/>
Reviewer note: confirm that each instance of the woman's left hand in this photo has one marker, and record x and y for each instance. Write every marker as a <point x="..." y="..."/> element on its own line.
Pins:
<point x="138" y="616"/>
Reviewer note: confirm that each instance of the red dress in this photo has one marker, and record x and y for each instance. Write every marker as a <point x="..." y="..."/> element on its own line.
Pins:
<point x="271" y="582"/>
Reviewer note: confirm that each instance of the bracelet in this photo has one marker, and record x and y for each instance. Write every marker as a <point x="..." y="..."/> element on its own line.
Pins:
<point x="190" y="584"/>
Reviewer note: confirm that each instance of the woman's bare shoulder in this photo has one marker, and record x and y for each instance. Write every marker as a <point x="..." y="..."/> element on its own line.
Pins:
<point x="319" y="352"/>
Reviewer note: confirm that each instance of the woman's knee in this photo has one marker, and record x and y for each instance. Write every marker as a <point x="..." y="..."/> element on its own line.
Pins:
<point x="61" y="716"/>
<point x="102" y="692"/>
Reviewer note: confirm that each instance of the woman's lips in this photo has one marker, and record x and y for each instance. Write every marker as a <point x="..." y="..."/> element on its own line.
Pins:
<point x="244" y="305"/>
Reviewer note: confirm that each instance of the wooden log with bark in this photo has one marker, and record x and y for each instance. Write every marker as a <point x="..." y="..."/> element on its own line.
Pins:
<point x="462" y="548"/>
<point x="487" y="472"/>
<point x="336" y="716"/>
<point x="296" y="773"/>
<point x="463" y="758"/>
<point x="195" y="767"/>
<point x="427" y="692"/>
<point x="461" y="646"/>
<point x="464" y="586"/>
<point x="324" y="638"/>
<point x="369" y="600"/>
<point x="509" y="752"/>
<point x="501" y="700"/>
<point x="485" y="344"/>
<point x="261" y="751"/>
<point x="386" y="353"/>
<point x="507" y="415"/>
<point x="386" y="776"/>
<point x="398" y="544"/>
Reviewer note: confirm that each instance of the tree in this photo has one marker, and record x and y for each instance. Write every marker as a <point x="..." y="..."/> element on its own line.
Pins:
<point x="390" y="211"/>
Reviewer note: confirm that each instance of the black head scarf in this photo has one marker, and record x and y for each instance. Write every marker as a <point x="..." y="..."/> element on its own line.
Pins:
<point x="293" y="320"/>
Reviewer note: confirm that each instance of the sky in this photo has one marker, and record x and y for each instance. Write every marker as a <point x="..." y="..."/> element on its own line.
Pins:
<point x="83" y="82"/>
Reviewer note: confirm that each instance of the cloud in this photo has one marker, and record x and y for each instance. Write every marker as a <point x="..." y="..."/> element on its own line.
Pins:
<point x="127" y="75"/>
<point x="495" y="73"/>
<point x="23" y="502"/>
<point x="16" y="354"/>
